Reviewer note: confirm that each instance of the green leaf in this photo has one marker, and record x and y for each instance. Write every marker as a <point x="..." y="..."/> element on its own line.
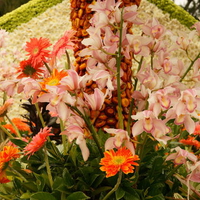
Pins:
<point x="157" y="197"/>
<point x="26" y="195"/>
<point x="131" y="194"/>
<point x="18" y="142"/>
<point x="42" y="196"/>
<point x="68" y="179"/>
<point x="77" y="196"/>
<point x="119" y="193"/>
<point x="40" y="182"/>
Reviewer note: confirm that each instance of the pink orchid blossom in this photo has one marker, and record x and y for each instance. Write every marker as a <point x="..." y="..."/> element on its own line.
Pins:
<point x="30" y="87"/>
<point x="138" y="44"/>
<point x="181" y="156"/>
<point x="121" y="138"/>
<point x="195" y="173"/>
<point x="102" y="79"/>
<point x="8" y="86"/>
<point x="146" y="121"/>
<point x="154" y="29"/>
<point x="76" y="132"/>
<point x="96" y="100"/>
<point x="72" y="81"/>
<point x="131" y="15"/>
<point x="161" y="100"/>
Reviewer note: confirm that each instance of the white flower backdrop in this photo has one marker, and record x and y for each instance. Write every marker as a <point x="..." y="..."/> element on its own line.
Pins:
<point x="55" y="21"/>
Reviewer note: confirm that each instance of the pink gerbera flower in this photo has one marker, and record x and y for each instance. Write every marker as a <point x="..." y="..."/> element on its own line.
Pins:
<point x="38" y="141"/>
<point x="63" y="43"/>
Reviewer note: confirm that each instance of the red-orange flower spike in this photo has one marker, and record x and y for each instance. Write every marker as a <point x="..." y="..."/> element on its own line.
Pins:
<point x="122" y="159"/>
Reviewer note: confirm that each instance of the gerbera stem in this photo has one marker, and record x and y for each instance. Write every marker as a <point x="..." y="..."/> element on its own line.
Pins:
<point x="39" y="114"/>
<point x="47" y="66"/>
<point x="63" y="138"/>
<point x="115" y="187"/>
<point x="6" y="132"/>
<point x="68" y="60"/>
<point x="46" y="159"/>
<point x="16" y="129"/>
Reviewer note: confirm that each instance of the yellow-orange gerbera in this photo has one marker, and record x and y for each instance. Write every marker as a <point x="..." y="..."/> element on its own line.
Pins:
<point x="19" y="123"/>
<point x="26" y="69"/>
<point x="36" y="49"/>
<point x="54" y="79"/>
<point x="122" y="159"/>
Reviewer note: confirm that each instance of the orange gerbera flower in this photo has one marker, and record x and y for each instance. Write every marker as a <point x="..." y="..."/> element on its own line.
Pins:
<point x="37" y="141"/>
<point x="19" y="123"/>
<point x="3" y="177"/>
<point x="26" y="69"/>
<point x="191" y="141"/>
<point x="54" y="79"/>
<point x="36" y="49"/>
<point x="122" y="159"/>
<point x="8" y="153"/>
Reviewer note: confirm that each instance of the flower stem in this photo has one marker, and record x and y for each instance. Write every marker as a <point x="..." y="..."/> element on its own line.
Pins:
<point x="14" y="126"/>
<point x="68" y="60"/>
<point x="63" y="137"/>
<point x="118" y="64"/>
<point x="189" y="68"/>
<point x="115" y="187"/>
<point x="6" y="132"/>
<point x="39" y="114"/>
<point x="46" y="159"/>
<point x="47" y="66"/>
<point x="19" y="174"/>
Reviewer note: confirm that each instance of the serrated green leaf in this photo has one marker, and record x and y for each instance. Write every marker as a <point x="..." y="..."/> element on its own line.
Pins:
<point x="42" y="196"/>
<point x="77" y="196"/>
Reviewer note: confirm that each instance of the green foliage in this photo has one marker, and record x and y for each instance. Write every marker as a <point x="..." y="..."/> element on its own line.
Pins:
<point x="175" y="11"/>
<point x="25" y="13"/>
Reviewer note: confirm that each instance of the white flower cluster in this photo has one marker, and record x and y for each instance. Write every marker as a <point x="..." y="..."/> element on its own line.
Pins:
<point x="56" y="20"/>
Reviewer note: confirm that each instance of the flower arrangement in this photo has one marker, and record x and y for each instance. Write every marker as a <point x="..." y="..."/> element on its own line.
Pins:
<point x="122" y="122"/>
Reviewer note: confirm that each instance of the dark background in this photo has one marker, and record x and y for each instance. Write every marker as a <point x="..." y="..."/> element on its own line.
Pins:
<point x="192" y="6"/>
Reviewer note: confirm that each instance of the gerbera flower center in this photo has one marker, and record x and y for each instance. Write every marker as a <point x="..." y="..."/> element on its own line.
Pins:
<point x="53" y="82"/>
<point x="35" y="51"/>
<point x="118" y="160"/>
<point x="29" y="70"/>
